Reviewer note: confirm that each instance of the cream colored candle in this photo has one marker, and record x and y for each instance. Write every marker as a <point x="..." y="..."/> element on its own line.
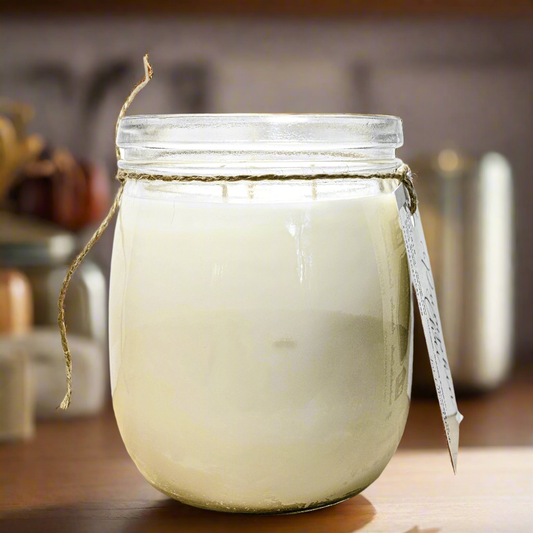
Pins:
<point x="260" y="340"/>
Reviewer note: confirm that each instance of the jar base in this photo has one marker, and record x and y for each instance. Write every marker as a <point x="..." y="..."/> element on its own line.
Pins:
<point x="285" y="510"/>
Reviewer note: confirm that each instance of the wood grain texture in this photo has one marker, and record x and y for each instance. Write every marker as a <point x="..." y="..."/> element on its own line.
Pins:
<point x="76" y="477"/>
<point x="417" y="492"/>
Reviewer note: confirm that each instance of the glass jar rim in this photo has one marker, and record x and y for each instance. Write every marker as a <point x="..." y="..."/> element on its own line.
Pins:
<point x="347" y="130"/>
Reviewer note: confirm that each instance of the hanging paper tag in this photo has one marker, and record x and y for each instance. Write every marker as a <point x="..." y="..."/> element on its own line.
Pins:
<point x="422" y="279"/>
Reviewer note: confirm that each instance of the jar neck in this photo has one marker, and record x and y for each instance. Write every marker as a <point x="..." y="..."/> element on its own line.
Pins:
<point x="255" y="162"/>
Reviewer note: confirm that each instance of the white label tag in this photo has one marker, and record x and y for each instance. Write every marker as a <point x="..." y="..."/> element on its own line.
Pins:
<point x="422" y="279"/>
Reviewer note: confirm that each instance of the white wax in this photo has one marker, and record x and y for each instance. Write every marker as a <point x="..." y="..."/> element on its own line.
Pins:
<point x="260" y="352"/>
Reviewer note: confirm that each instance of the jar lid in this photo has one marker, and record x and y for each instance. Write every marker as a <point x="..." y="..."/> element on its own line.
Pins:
<point x="272" y="143"/>
<point x="28" y="242"/>
<point x="353" y="130"/>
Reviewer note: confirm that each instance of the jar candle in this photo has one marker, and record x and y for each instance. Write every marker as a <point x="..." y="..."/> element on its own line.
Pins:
<point x="260" y="322"/>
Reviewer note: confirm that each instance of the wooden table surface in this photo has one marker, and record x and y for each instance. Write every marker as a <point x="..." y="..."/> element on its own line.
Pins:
<point x="77" y="477"/>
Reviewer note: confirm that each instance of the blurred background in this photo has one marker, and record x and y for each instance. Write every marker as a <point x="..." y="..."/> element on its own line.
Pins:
<point x="459" y="74"/>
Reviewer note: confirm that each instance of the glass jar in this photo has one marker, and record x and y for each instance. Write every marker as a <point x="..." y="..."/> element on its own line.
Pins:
<point x="260" y="329"/>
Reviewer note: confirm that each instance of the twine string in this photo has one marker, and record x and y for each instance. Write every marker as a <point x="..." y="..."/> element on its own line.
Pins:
<point x="148" y="73"/>
<point x="61" y="302"/>
<point x="402" y="174"/>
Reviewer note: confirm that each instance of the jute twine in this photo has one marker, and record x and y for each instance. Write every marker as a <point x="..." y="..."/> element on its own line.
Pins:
<point x="402" y="174"/>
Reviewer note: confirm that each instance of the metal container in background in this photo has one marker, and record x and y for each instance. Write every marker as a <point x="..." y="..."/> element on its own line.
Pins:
<point x="17" y="405"/>
<point x="43" y="252"/>
<point x="16" y="302"/>
<point x="17" y="399"/>
<point x="467" y="211"/>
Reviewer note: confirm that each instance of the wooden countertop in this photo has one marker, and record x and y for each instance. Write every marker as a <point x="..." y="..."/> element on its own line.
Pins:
<point x="77" y="477"/>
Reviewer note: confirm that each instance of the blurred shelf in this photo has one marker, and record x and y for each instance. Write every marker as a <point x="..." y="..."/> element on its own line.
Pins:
<point x="276" y="8"/>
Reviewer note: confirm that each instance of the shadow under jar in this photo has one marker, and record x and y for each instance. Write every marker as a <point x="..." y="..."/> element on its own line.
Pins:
<point x="260" y="331"/>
